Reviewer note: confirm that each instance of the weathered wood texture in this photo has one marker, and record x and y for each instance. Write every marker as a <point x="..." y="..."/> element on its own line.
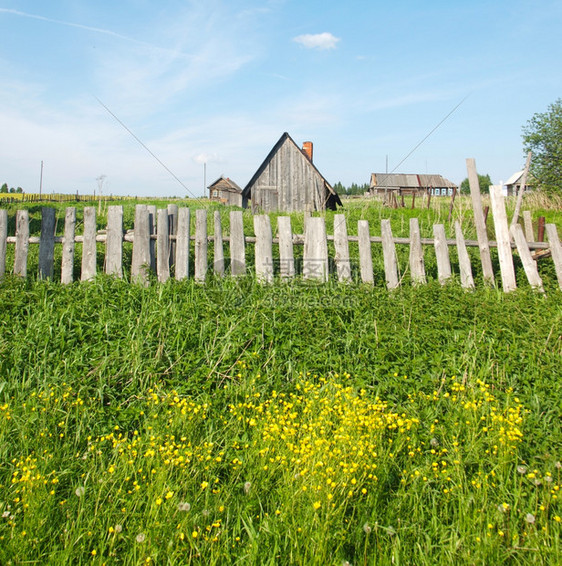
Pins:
<point x="47" y="243"/>
<point x="389" y="255"/>
<point x="529" y="264"/>
<point x="22" y="243"/>
<point x="417" y="265"/>
<point x="315" y="255"/>
<point x="365" y="255"/>
<point x="264" y="248"/>
<point x="503" y="239"/>
<point x="3" y="240"/>
<point x="480" y="222"/>
<point x="556" y="250"/>
<point x="218" y="262"/>
<point x="237" y="244"/>
<point x="286" y="251"/>
<point x="163" y="245"/>
<point x="467" y="281"/>
<point x="442" y="254"/>
<point x="114" y="242"/>
<point x="201" y="260"/>
<point x="89" y="248"/>
<point x="141" y="246"/>
<point x="341" y="245"/>
<point x="528" y="223"/>
<point x="182" y="244"/>
<point x="68" y="246"/>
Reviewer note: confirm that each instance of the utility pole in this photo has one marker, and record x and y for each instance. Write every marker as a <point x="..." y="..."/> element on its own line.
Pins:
<point x="41" y="181"/>
<point x="204" y="178"/>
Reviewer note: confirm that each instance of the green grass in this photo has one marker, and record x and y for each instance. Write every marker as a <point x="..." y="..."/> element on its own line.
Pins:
<point x="307" y="424"/>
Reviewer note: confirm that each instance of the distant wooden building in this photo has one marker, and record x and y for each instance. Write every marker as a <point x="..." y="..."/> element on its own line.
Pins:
<point x="410" y="184"/>
<point x="225" y="190"/>
<point x="288" y="181"/>
<point x="513" y="184"/>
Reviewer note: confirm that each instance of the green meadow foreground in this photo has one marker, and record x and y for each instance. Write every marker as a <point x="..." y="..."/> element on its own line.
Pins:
<point x="236" y="423"/>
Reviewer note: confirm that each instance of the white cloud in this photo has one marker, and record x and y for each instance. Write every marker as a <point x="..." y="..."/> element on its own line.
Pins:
<point x="319" y="41"/>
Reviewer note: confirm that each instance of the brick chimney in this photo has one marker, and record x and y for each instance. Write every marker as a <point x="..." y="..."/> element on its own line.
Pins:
<point x="307" y="150"/>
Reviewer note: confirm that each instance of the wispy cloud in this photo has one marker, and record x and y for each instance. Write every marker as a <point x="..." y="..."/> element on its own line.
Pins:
<point x="320" y="41"/>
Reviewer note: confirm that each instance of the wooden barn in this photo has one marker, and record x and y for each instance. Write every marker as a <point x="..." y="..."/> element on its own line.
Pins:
<point x="410" y="184"/>
<point x="288" y="181"/>
<point x="513" y="184"/>
<point x="225" y="190"/>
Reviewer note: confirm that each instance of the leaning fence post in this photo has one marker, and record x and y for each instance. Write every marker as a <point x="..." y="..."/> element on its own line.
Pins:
<point x="89" y="248"/>
<point x="467" y="281"/>
<point x="3" y="240"/>
<point x="47" y="243"/>
<point x="529" y="264"/>
<point x="201" y="245"/>
<point x="417" y="266"/>
<point x="503" y="239"/>
<point x="141" y="246"/>
<point x="528" y="223"/>
<point x="286" y="252"/>
<point x="365" y="257"/>
<point x="264" y="248"/>
<point x="389" y="255"/>
<point x="555" y="250"/>
<point x="22" y="242"/>
<point x="114" y="241"/>
<point x="442" y="254"/>
<point x="68" y="246"/>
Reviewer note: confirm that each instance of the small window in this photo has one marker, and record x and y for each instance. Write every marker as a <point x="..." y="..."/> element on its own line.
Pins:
<point x="215" y="193"/>
<point x="450" y="192"/>
<point x="437" y="192"/>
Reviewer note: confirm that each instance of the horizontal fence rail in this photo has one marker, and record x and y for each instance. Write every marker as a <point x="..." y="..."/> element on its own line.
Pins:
<point x="162" y="243"/>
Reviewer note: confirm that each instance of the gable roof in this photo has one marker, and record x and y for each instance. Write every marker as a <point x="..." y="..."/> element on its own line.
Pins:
<point x="409" y="180"/>
<point x="226" y="183"/>
<point x="269" y="157"/>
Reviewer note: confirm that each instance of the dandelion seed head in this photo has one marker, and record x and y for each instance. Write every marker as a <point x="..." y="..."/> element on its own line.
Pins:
<point x="184" y="506"/>
<point x="80" y="491"/>
<point x="521" y="469"/>
<point x="247" y="487"/>
<point x="141" y="537"/>
<point x="118" y="528"/>
<point x="434" y="442"/>
<point x="367" y="528"/>
<point x="530" y="518"/>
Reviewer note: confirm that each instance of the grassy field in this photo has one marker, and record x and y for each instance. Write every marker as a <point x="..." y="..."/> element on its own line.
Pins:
<point x="232" y="423"/>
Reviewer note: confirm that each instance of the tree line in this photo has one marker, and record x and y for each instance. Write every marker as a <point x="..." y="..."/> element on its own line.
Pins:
<point x="4" y="189"/>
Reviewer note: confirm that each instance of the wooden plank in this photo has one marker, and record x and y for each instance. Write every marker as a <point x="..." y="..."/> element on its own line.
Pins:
<point x="173" y="228"/>
<point x="264" y="248"/>
<point x="152" y="231"/>
<point x="3" y="240"/>
<point x="89" y="249"/>
<point x="218" y="262"/>
<point x="114" y="241"/>
<point x="389" y="255"/>
<point x="365" y="257"/>
<point x="341" y="245"/>
<point x="417" y="265"/>
<point x="182" y="244"/>
<point x="556" y="250"/>
<point x="467" y="281"/>
<point x="315" y="254"/>
<point x="286" y="253"/>
<point x="528" y="223"/>
<point x="503" y="239"/>
<point x="163" y="245"/>
<point x="68" y="246"/>
<point x="442" y="254"/>
<point x="47" y="243"/>
<point x="22" y="243"/>
<point x="529" y="264"/>
<point x="515" y="218"/>
<point x="480" y="222"/>
<point x="237" y="244"/>
<point x="201" y="260"/>
<point x="141" y="246"/>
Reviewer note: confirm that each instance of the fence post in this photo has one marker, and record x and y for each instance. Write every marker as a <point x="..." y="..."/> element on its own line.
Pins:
<point x="480" y="222"/>
<point x="286" y="253"/>
<point x="528" y="223"/>
<point x="417" y="266"/>
<point x="68" y="246"/>
<point x="529" y="264"/>
<point x="442" y="254"/>
<point x="503" y="239"/>
<point x="264" y="248"/>
<point x="389" y="255"/>
<point x="315" y="254"/>
<point x="218" y="248"/>
<point x="141" y="245"/>
<point x="467" y="281"/>
<point x="22" y="242"/>
<point x="151" y="208"/>
<point x="201" y="260"/>
<point x="89" y="251"/>
<point x="114" y="241"/>
<point x="365" y="257"/>
<point x="3" y="240"/>
<point x="173" y="230"/>
<point x="182" y="243"/>
<point x="237" y="244"/>
<point x="47" y="243"/>
<point x="555" y="250"/>
<point x="163" y="245"/>
<point x="540" y="229"/>
<point x="341" y="245"/>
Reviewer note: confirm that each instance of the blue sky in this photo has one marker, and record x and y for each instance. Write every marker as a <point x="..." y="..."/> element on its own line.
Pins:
<point x="218" y="82"/>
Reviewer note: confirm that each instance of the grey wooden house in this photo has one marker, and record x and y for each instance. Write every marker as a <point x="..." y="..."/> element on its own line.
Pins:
<point x="289" y="181"/>
<point x="225" y="190"/>
<point x="408" y="184"/>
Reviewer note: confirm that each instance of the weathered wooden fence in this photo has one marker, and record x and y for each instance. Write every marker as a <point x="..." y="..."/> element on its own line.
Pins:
<point x="162" y="238"/>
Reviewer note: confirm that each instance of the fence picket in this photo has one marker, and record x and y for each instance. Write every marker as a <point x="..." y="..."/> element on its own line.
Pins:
<point x="22" y="243"/>
<point x="417" y="265"/>
<point x="341" y="245"/>
<point x="218" y="264"/>
<point x="389" y="255"/>
<point x="442" y="254"/>
<point x="264" y="248"/>
<point x="68" y="246"/>
<point x="237" y="244"/>
<point x="201" y="264"/>
<point x="529" y="264"/>
<point x="151" y="208"/>
<point x="504" y="239"/>
<point x="114" y="241"/>
<point x="3" y="240"/>
<point x="47" y="243"/>
<point x="286" y="252"/>
<point x="528" y="223"/>
<point x="182" y="244"/>
<point x="163" y="245"/>
<point x="141" y="245"/>
<point x="365" y="257"/>
<point x="173" y="230"/>
<point x="555" y="250"/>
<point x="89" y="248"/>
<point x="315" y="254"/>
<point x="467" y="281"/>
